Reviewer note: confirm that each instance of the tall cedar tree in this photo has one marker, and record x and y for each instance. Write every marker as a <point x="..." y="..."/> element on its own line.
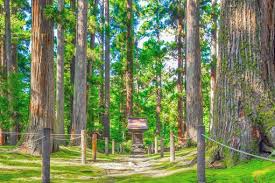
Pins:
<point x="213" y="60"/>
<point x="193" y="70"/>
<point x="107" y="72"/>
<point x="245" y="77"/>
<point x="42" y="77"/>
<point x="129" y="64"/>
<point x="59" y="125"/>
<point x="80" y="76"/>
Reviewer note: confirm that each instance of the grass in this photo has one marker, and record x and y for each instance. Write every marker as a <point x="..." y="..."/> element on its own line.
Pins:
<point x="66" y="167"/>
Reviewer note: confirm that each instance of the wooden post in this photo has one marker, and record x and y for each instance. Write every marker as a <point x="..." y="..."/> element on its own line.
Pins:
<point x="106" y="146"/>
<point x="161" y="147"/>
<point x="156" y="145"/>
<point x="46" y="150"/>
<point x="94" y="143"/>
<point x="2" y="137"/>
<point x="113" y="146"/>
<point x="172" y="147"/>
<point x="120" y="148"/>
<point x="83" y="147"/>
<point x="201" y="154"/>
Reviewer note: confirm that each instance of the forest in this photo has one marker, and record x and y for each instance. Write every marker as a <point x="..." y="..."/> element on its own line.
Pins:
<point x="137" y="90"/>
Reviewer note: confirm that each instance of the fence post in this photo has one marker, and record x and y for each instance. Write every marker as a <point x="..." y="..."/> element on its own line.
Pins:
<point x="172" y="147"/>
<point x="106" y="146"/>
<point x="156" y="145"/>
<point x="83" y="147"/>
<point x="201" y="154"/>
<point x="46" y="149"/>
<point x="161" y="147"/>
<point x="94" y="143"/>
<point x="113" y="146"/>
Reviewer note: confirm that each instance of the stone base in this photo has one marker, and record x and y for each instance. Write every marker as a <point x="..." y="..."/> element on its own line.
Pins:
<point x="138" y="149"/>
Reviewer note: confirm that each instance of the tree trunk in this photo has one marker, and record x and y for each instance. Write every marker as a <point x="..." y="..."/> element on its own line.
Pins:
<point x="13" y="110"/>
<point x="193" y="70"/>
<point x="59" y="128"/>
<point x="129" y="66"/>
<point x="80" y="79"/>
<point x="2" y="73"/>
<point x="245" y="77"/>
<point x="72" y="66"/>
<point x="180" y="71"/>
<point x="107" y="72"/>
<point x="42" y="77"/>
<point x="213" y="60"/>
<point x="101" y="71"/>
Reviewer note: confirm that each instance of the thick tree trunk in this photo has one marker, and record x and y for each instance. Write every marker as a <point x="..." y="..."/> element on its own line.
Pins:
<point x="59" y="125"/>
<point x="80" y="79"/>
<point x="193" y="70"/>
<point x="245" y="77"/>
<point x="107" y="72"/>
<point x="129" y="65"/>
<point x="42" y="77"/>
<point x="213" y="60"/>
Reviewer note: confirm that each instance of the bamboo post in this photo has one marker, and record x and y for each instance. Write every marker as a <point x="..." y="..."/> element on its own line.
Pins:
<point x="161" y="147"/>
<point x="113" y="146"/>
<point x="201" y="154"/>
<point x="94" y="144"/>
<point x="172" y="147"/>
<point x="156" y="145"/>
<point x="83" y="147"/>
<point x="106" y="146"/>
<point x="46" y="150"/>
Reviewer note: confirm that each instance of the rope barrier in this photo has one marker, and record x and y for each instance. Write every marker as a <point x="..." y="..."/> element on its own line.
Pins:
<point x="237" y="150"/>
<point x="16" y="133"/>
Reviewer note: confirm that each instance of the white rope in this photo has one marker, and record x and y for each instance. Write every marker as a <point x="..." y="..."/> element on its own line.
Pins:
<point x="240" y="151"/>
<point x="38" y="139"/>
<point x="16" y="133"/>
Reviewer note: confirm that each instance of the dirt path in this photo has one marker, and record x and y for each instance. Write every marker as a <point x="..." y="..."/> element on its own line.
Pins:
<point x="149" y="166"/>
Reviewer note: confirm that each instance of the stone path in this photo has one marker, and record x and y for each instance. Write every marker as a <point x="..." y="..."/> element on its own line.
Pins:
<point x="148" y="166"/>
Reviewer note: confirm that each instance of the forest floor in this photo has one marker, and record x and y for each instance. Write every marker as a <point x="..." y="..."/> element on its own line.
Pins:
<point x="66" y="167"/>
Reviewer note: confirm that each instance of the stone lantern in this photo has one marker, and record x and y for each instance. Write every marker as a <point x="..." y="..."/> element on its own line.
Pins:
<point x="137" y="126"/>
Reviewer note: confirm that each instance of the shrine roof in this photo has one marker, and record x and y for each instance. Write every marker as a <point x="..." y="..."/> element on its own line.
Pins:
<point x="137" y="124"/>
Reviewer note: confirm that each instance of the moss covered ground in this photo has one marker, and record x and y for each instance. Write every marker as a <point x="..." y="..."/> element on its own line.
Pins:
<point x="66" y="167"/>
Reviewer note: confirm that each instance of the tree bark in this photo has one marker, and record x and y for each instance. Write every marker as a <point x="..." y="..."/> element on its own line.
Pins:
<point x="193" y="70"/>
<point x="80" y="79"/>
<point x="129" y="66"/>
<point x="213" y="60"/>
<point x="72" y="66"/>
<point x="42" y="77"/>
<point x="180" y="72"/>
<point x="101" y="71"/>
<point x="107" y="72"/>
<point x="59" y="129"/>
<point x="245" y="77"/>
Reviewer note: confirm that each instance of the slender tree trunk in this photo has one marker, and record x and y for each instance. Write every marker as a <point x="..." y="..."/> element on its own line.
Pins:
<point x="72" y="66"/>
<point x="80" y="82"/>
<point x="107" y="72"/>
<point x="181" y="123"/>
<point x="42" y="77"/>
<point x="245" y="77"/>
<point x="129" y="65"/>
<point x="13" y="110"/>
<point x="213" y="60"/>
<point x="193" y="70"/>
<point x="101" y="71"/>
<point x="158" y="77"/>
<point x="91" y="61"/>
<point x="59" y="128"/>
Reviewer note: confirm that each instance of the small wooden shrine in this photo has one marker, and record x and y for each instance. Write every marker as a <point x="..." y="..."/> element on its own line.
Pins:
<point x="137" y="126"/>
